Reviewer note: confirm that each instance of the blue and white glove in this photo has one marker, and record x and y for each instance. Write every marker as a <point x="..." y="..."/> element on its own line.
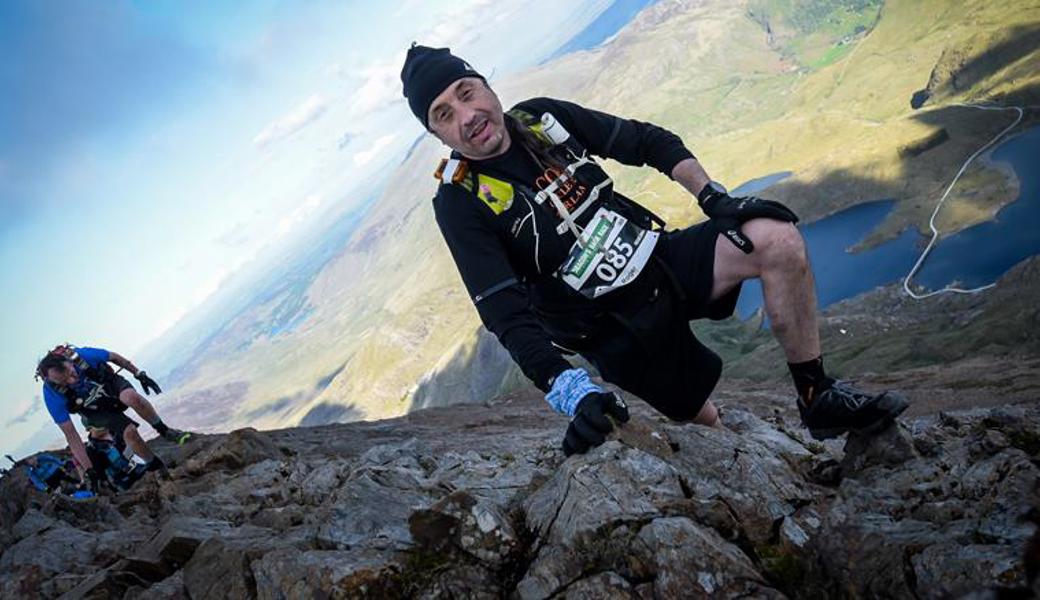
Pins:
<point x="574" y="394"/>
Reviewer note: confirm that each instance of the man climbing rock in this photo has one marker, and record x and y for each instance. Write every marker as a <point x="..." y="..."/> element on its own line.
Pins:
<point x="80" y="381"/>
<point x="555" y="260"/>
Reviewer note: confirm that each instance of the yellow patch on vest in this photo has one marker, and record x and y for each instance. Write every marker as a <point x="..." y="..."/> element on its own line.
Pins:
<point x="497" y="194"/>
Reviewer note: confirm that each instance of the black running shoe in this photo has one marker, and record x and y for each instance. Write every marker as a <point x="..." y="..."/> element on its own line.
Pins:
<point x="176" y="435"/>
<point x="842" y="408"/>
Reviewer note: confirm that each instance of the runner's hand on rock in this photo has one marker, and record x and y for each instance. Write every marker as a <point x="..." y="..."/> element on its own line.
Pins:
<point x="592" y="421"/>
<point x="728" y="213"/>
<point x="147" y="383"/>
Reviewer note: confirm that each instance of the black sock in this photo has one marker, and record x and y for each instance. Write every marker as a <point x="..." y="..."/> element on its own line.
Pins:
<point x="809" y="378"/>
<point x="159" y="427"/>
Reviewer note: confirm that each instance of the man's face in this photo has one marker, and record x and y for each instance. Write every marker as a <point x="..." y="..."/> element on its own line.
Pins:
<point x="467" y="116"/>
<point x="63" y="375"/>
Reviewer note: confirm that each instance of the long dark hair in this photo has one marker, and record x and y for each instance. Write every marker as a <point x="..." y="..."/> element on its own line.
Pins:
<point x="535" y="147"/>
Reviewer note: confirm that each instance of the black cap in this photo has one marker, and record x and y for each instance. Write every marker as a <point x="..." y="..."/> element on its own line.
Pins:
<point x="426" y="73"/>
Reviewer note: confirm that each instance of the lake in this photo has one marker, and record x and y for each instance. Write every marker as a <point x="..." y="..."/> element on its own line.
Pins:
<point x="603" y="27"/>
<point x="972" y="257"/>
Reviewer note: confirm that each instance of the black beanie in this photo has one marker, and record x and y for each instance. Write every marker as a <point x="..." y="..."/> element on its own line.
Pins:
<point x="427" y="72"/>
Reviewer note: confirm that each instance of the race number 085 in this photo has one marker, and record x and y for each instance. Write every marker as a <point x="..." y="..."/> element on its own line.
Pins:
<point x="617" y="257"/>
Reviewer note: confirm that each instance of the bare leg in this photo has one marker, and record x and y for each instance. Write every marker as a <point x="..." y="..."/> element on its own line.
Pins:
<point x="708" y="415"/>
<point x="788" y="287"/>
<point x="141" y="406"/>
<point x="137" y="443"/>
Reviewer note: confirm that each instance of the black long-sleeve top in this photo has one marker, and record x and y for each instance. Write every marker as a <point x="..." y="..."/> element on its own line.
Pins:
<point x="507" y="257"/>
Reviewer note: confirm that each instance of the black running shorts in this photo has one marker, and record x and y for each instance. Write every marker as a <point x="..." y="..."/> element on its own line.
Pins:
<point x="111" y="416"/>
<point x="653" y="354"/>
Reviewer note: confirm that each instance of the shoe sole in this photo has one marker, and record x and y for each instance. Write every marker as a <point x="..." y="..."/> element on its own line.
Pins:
<point x="900" y="405"/>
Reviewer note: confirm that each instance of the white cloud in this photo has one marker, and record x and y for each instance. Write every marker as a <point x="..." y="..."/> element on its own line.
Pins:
<point x="286" y="224"/>
<point x="236" y="235"/>
<point x="381" y="86"/>
<point x="293" y="121"/>
<point x="407" y="7"/>
<point x="364" y="157"/>
<point x="335" y="71"/>
<point x="460" y="25"/>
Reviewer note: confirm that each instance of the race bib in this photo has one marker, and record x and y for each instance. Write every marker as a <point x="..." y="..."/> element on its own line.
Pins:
<point x="611" y="254"/>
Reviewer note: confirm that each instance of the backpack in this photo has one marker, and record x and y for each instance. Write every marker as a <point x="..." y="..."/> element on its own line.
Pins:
<point x="48" y="473"/>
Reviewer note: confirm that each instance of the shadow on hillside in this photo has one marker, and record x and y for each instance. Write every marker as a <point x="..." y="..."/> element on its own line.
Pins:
<point x="327" y="412"/>
<point x="469" y="377"/>
<point x="967" y="130"/>
<point x="1020" y="42"/>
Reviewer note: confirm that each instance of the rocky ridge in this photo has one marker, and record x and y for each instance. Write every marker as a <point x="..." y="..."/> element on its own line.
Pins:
<point x="477" y="501"/>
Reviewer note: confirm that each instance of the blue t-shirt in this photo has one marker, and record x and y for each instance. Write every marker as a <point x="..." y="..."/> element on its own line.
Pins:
<point x="55" y="402"/>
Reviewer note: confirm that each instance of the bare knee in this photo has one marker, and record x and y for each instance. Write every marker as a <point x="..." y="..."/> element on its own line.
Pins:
<point x="131" y="435"/>
<point x="779" y="243"/>
<point x="131" y="398"/>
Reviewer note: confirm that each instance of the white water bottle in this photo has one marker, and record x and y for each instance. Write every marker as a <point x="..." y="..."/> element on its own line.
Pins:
<point x="554" y="130"/>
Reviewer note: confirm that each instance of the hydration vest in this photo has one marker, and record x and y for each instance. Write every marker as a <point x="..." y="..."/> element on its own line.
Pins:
<point x="551" y="136"/>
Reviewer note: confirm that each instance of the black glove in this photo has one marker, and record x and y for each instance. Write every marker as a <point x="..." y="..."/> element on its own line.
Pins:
<point x="729" y="213"/>
<point x="147" y="383"/>
<point x="591" y="422"/>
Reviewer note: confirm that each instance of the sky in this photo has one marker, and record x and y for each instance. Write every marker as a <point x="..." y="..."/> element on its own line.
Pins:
<point x="151" y="149"/>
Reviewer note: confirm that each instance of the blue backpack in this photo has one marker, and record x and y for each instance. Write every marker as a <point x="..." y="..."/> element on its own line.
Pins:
<point x="48" y="472"/>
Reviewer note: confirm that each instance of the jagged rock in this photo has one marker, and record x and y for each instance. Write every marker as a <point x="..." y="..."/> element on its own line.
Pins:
<point x="889" y="447"/>
<point x="31" y="523"/>
<point x="217" y="571"/>
<point x="613" y="483"/>
<point x="178" y="539"/>
<point x="640" y="432"/>
<point x="279" y="518"/>
<point x="171" y="588"/>
<point x="367" y="512"/>
<point x="327" y="573"/>
<point x="465" y="581"/>
<point x="753" y="479"/>
<point x="606" y="586"/>
<point x="952" y="570"/>
<point x="319" y="483"/>
<point x="425" y="507"/>
<point x="60" y="549"/>
<point x="238" y="449"/>
<point x="685" y="560"/>
<point x="118" y="579"/>
<point x="585" y="500"/>
<point x="461" y="522"/>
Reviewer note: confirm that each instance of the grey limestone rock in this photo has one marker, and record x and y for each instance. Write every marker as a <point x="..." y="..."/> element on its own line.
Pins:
<point x="478" y="501"/>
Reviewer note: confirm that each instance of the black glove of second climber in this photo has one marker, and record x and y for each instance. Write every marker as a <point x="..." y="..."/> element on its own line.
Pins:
<point x="728" y="213"/>
<point x="592" y="421"/>
<point x="147" y="383"/>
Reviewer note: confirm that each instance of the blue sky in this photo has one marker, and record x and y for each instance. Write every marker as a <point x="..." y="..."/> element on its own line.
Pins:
<point x="149" y="150"/>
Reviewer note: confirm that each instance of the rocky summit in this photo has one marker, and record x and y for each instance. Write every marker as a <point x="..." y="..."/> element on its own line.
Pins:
<point x="478" y="501"/>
